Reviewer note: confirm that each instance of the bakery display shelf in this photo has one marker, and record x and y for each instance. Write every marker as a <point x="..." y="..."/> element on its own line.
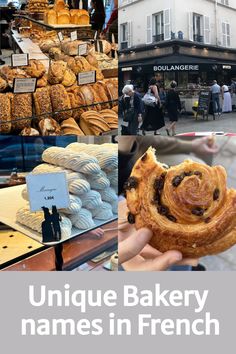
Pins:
<point x="15" y="246"/>
<point x="27" y="46"/>
<point x="52" y="114"/>
<point x="53" y="27"/>
<point x="9" y="210"/>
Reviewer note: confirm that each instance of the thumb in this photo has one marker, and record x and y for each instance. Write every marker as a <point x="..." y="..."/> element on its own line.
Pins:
<point x="164" y="261"/>
<point x="134" y="244"/>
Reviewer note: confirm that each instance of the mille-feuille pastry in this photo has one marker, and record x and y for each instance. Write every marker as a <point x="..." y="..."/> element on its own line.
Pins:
<point x="82" y="220"/>
<point x="21" y="110"/>
<point x="49" y="127"/>
<point x="108" y="195"/>
<point x="188" y="207"/>
<point x="60" y="101"/>
<point x="70" y="127"/>
<point x="91" y="200"/>
<point x="104" y="212"/>
<point x="42" y="101"/>
<point x="5" y="113"/>
<point x="35" y="68"/>
<point x="29" y="132"/>
<point x="3" y="84"/>
<point x="33" y="220"/>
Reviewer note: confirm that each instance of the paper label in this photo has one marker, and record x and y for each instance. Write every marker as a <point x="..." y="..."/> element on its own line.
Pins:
<point x="83" y="49"/>
<point x="19" y="60"/>
<point x="87" y="77"/>
<point x="60" y="36"/>
<point x="27" y="85"/>
<point x="73" y="36"/>
<point x="47" y="189"/>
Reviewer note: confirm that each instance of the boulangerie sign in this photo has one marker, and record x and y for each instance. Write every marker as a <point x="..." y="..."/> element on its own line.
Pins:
<point x="47" y="189"/>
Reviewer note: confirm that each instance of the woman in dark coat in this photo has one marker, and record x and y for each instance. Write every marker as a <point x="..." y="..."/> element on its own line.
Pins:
<point x="97" y="15"/>
<point x="154" y="118"/>
<point x="131" y="109"/>
<point x="173" y="106"/>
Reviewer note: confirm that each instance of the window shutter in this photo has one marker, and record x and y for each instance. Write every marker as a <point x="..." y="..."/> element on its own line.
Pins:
<point x="130" y="34"/>
<point x="207" y="30"/>
<point x="149" y="29"/>
<point x="167" y="24"/>
<point x="190" y="26"/>
<point x="228" y="35"/>
<point x="224" y="42"/>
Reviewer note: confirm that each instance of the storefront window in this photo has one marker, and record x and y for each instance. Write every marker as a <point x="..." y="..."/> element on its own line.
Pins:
<point x="168" y="77"/>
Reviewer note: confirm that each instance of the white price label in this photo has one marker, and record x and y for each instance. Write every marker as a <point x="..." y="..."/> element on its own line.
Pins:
<point x="83" y="49"/>
<point x="48" y="189"/>
<point x="87" y="77"/>
<point x="73" y="36"/>
<point x="19" y="59"/>
<point x="60" y="36"/>
<point x="24" y="85"/>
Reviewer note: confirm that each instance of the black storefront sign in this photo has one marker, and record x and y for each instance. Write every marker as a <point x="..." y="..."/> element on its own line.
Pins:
<point x="204" y="103"/>
<point x="175" y="67"/>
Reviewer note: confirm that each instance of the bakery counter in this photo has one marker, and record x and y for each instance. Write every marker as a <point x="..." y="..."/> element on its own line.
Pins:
<point x="75" y="252"/>
<point x="26" y="45"/>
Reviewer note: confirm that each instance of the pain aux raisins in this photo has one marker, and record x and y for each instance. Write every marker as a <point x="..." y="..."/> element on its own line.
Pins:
<point x="216" y="194"/>
<point x="159" y="182"/>
<point x="207" y="220"/>
<point x="198" y="211"/>
<point x="171" y="218"/>
<point x="163" y="210"/>
<point x="178" y="179"/>
<point x="131" y="219"/>
<point x="131" y="183"/>
<point x="197" y="173"/>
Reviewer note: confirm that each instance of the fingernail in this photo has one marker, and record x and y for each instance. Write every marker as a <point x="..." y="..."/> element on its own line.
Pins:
<point x="178" y="256"/>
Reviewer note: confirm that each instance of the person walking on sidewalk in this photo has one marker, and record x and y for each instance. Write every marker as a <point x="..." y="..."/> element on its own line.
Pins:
<point x="153" y="118"/>
<point x="215" y="91"/>
<point x="227" y="101"/>
<point x="173" y="106"/>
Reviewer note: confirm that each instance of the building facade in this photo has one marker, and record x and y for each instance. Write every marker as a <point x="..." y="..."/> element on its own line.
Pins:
<point x="190" y="41"/>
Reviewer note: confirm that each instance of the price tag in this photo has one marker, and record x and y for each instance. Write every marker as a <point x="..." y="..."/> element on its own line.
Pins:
<point x="60" y="36"/>
<point x="73" y="36"/>
<point x="19" y="59"/>
<point x="87" y="77"/>
<point x="24" y="85"/>
<point x="48" y="189"/>
<point x="83" y="49"/>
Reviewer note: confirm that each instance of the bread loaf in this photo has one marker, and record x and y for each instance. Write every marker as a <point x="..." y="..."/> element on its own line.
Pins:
<point x="70" y="127"/>
<point x="21" y="108"/>
<point x="42" y="101"/>
<point x="49" y="126"/>
<point x="60" y="101"/>
<point x="63" y="17"/>
<point x="5" y="113"/>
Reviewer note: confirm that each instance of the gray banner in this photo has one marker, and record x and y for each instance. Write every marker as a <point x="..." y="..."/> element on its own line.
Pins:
<point x="87" y="325"/>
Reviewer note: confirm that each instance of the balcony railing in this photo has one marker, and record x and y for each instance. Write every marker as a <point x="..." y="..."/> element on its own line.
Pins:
<point x="158" y="37"/>
<point x="198" y="38"/>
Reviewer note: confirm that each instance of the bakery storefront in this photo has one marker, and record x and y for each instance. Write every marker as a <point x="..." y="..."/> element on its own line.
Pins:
<point x="192" y="67"/>
<point x="70" y="225"/>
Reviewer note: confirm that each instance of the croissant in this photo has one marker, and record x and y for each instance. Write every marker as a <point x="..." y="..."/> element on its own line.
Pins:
<point x="188" y="207"/>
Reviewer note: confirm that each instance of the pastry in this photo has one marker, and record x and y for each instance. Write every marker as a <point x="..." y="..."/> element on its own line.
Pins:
<point x="98" y="181"/>
<point x="113" y="177"/>
<point x="75" y="206"/>
<point x="60" y="101"/>
<point x="108" y="195"/>
<point x="82" y="220"/>
<point x="49" y="126"/>
<point x="91" y="200"/>
<point x="70" y="127"/>
<point x="69" y="78"/>
<point x="188" y="206"/>
<point x="42" y="101"/>
<point x="79" y="187"/>
<point x="43" y="81"/>
<point x="21" y="109"/>
<point x="104" y="212"/>
<point x="34" y="221"/>
<point x="115" y="262"/>
<point x="114" y="206"/>
<point x="5" y="113"/>
<point x="29" y="132"/>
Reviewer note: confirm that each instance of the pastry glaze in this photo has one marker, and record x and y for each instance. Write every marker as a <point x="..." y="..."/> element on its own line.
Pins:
<point x="202" y="191"/>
